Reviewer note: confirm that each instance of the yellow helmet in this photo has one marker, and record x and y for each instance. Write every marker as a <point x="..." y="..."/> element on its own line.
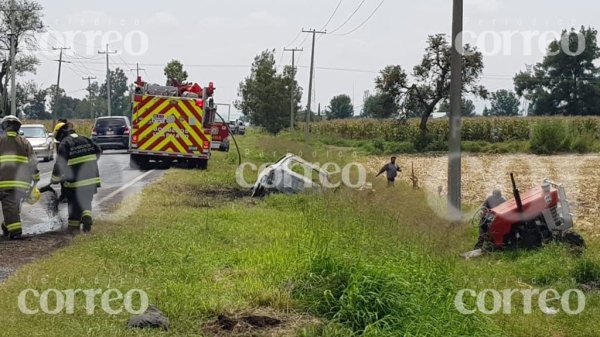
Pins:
<point x="34" y="196"/>
<point x="57" y="129"/>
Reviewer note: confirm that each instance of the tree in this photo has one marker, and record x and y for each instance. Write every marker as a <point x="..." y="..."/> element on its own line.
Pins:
<point x="23" y="19"/>
<point x="379" y="106"/>
<point x="430" y="83"/>
<point x="567" y="81"/>
<point x="31" y="101"/>
<point x="468" y="107"/>
<point x="265" y="94"/>
<point x="174" y="71"/>
<point x="120" y="103"/>
<point x="504" y="103"/>
<point x="340" y="107"/>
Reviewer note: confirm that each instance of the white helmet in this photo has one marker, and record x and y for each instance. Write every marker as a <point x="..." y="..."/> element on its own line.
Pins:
<point x="10" y="120"/>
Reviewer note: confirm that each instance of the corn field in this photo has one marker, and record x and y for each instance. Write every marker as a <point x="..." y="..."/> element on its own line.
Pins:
<point x="474" y="129"/>
<point x="82" y="126"/>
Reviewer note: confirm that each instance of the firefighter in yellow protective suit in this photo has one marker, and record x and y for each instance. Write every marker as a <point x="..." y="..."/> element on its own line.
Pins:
<point x="76" y="169"/>
<point x="18" y="175"/>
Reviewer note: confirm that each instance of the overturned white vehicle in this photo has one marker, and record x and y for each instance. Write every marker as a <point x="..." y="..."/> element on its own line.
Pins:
<point x="289" y="175"/>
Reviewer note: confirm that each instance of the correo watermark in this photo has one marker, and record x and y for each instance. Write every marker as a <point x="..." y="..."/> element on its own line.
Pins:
<point x="55" y="301"/>
<point x="548" y="301"/>
<point x="330" y="175"/>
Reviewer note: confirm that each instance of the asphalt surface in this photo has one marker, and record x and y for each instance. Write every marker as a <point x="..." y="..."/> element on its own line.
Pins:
<point x="45" y="231"/>
<point x="118" y="182"/>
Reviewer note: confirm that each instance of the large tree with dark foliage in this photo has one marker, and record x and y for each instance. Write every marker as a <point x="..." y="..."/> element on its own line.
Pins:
<point x="340" y="107"/>
<point x="429" y="83"/>
<point x="265" y="95"/>
<point x="567" y="81"/>
<point x="504" y="103"/>
<point x="23" y="20"/>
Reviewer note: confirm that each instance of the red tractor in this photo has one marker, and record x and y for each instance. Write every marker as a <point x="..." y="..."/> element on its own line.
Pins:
<point x="538" y="216"/>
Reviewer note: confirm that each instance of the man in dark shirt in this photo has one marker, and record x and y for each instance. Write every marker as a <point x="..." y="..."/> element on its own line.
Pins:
<point x="391" y="170"/>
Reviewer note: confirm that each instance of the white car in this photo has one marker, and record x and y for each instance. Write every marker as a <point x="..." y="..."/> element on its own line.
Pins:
<point x="40" y="139"/>
<point x="289" y="175"/>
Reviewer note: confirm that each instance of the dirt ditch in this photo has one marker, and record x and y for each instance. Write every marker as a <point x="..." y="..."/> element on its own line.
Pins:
<point x="15" y="254"/>
<point x="261" y="322"/>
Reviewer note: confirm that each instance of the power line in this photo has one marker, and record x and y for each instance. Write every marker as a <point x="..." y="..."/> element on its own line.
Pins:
<point x="332" y="15"/>
<point x="350" y="17"/>
<point x="364" y="22"/>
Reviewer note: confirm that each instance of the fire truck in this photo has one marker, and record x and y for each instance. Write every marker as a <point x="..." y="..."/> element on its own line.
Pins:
<point x="171" y="124"/>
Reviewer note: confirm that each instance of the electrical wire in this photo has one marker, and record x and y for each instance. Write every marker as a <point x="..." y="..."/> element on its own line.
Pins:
<point x="349" y="18"/>
<point x="364" y="22"/>
<point x="332" y="15"/>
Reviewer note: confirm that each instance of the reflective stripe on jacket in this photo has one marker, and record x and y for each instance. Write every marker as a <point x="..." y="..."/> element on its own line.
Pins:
<point x="77" y="163"/>
<point x="18" y="163"/>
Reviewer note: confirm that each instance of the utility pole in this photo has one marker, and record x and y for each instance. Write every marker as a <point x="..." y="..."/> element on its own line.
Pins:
<point x="314" y="33"/>
<point x="293" y="107"/>
<point x="107" y="52"/>
<point x="57" y="91"/>
<point x="137" y="70"/>
<point x="13" y="64"/>
<point x="89" y="79"/>
<point x="456" y="86"/>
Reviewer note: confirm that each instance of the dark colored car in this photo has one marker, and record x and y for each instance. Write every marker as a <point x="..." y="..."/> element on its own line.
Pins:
<point x="112" y="132"/>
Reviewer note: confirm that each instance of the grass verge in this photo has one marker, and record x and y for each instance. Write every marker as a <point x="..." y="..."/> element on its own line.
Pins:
<point x="368" y="263"/>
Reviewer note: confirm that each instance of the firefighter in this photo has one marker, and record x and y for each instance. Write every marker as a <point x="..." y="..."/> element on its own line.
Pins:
<point x="76" y="169"/>
<point x="391" y="170"/>
<point x="18" y="175"/>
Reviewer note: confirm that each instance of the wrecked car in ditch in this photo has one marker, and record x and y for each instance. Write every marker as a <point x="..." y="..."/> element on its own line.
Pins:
<point x="289" y="175"/>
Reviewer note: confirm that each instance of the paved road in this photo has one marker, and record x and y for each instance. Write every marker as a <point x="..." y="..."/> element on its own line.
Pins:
<point x="118" y="181"/>
<point x="44" y="234"/>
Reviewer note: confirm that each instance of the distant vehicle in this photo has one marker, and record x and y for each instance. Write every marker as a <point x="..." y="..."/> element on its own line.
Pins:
<point x="40" y="139"/>
<point x="112" y="132"/>
<point x="241" y="128"/>
<point x="233" y="127"/>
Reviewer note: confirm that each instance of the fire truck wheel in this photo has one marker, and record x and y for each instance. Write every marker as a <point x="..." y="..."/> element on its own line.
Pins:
<point x="137" y="162"/>
<point x="203" y="164"/>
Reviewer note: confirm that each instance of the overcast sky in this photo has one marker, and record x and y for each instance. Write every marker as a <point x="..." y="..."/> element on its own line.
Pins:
<point x="217" y="40"/>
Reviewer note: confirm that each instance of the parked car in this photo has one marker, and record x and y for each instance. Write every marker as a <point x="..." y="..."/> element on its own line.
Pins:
<point x="241" y="127"/>
<point x="112" y="132"/>
<point x="233" y="127"/>
<point x="40" y="139"/>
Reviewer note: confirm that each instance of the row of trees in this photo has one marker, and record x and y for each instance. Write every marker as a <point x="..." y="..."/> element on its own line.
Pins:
<point x="34" y="102"/>
<point x="562" y="84"/>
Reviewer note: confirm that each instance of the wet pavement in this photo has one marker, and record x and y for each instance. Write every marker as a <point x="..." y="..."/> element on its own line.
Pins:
<point x="44" y="228"/>
<point x="118" y="182"/>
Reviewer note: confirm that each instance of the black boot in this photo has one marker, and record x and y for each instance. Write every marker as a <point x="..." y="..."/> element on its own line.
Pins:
<point x="87" y="223"/>
<point x="16" y="235"/>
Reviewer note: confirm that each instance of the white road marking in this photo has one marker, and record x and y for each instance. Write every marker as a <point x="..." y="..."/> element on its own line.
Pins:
<point x="124" y="187"/>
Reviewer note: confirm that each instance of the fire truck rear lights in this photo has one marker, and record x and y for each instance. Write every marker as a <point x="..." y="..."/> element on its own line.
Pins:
<point x="200" y="103"/>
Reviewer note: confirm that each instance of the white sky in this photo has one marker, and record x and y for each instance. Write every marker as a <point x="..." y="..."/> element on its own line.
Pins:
<point x="217" y="40"/>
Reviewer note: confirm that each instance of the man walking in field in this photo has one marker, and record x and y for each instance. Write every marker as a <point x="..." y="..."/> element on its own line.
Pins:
<point x="391" y="170"/>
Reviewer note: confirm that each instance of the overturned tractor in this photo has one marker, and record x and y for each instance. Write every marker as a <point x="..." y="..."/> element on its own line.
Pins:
<point x="529" y="220"/>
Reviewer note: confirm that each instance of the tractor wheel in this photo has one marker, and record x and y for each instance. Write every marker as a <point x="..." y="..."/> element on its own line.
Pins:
<point x="573" y="239"/>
